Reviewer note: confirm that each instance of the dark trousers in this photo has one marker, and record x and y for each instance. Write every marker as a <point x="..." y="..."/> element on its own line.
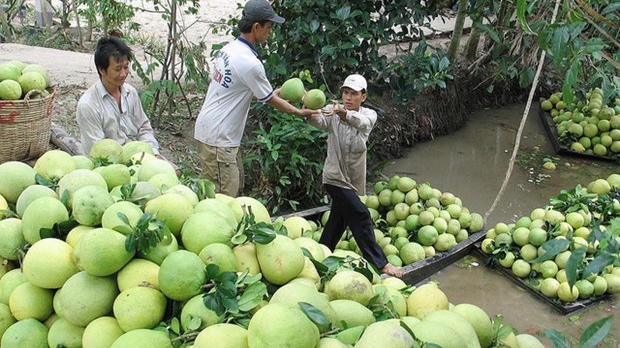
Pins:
<point x="348" y="210"/>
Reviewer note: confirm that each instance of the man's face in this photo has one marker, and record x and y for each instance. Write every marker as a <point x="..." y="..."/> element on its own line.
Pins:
<point x="116" y="73"/>
<point x="352" y="99"/>
<point x="263" y="31"/>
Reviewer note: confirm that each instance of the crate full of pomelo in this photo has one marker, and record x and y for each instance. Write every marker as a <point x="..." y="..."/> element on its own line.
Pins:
<point x="588" y="127"/>
<point x="26" y="100"/>
<point x="113" y="250"/>
<point x="566" y="252"/>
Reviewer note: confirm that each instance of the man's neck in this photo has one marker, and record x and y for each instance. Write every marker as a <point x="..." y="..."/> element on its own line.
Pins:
<point x="112" y="89"/>
<point x="249" y="38"/>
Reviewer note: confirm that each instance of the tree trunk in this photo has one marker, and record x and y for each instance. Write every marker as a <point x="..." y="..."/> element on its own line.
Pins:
<point x="5" y="23"/>
<point x="457" y="34"/>
<point x="472" y="43"/>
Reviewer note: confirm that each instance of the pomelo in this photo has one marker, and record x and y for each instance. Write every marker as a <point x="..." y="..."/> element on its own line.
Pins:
<point x="130" y="148"/>
<point x="219" y="207"/>
<point x="36" y="68"/>
<point x="11" y="239"/>
<point x="350" y="285"/>
<point x="54" y="164"/>
<point x="296" y="226"/>
<point x="195" y="308"/>
<point x="64" y="334"/>
<point x="312" y="246"/>
<point x="352" y="313"/>
<point x="280" y="326"/>
<point x="10" y="89"/>
<point x="76" y="233"/>
<point x="411" y="252"/>
<point x="280" y="260"/>
<point x="439" y="334"/>
<point x="181" y="275"/>
<point x="29" y="333"/>
<point x="184" y="191"/>
<point x="115" y="174"/>
<point x="246" y="258"/>
<point x="30" y="194"/>
<point x="391" y="298"/>
<point x="328" y="342"/>
<point x="89" y="203"/>
<point x="6" y="319"/>
<point x="479" y="320"/>
<point x="30" y="301"/>
<point x="101" y="333"/>
<point x="387" y="333"/>
<point x="204" y="228"/>
<point x="529" y="341"/>
<point x="15" y="277"/>
<point x="172" y="208"/>
<point x="143" y="338"/>
<point x="110" y="218"/>
<point x="164" y="181"/>
<point x="83" y="162"/>
<point x="223" y="335"/>
<point x="249" y="204"/>
<point x="139" y="307"/>
<point x="101" y="252"/>
<point x="48" y="263"/>
<point x="16" y="177"/>
<point x="314" y="99"/>
<point x="292" y="90"/>
<point x="85" y="297"/>
<point x="159" y="252"/>
<point x="155" y="166"/>
<point x="32" y="80"/>
<point x="219" y="254"/>
<point x="425" y="299"/>
<point x="9" y="71"/>
<point x="78" y="179"/>
<point x="291" y="294"/>
<point x="107" y="150"/>
<point x="44" y="212"/>
<point x="457" y="323"/>
<point x="138" y="272"/>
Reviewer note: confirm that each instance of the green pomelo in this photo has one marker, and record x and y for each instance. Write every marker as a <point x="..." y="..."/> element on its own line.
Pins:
<point x="427" y="235"/>
<point x="314" y="99"/>
<point x="234" y="205"/>
<point x="89" y="204"/>
<point x="412" y="197"/>
<point x="143" y="192"/>
<point x="16" y="177"/>
<point x="397" y="197"/>
<point x="10" y="89"/>
<point x="350" y="335"/>
<point x="411" y="252"/>
<point x="219" y="254"/>
<point x="280" y="326"/>
<point x="405" y="184"/>
<point x="350" y="285"/>
<point x="292" y="294"/>
<point x="181" y="275"/>
<point x="195" y="308"/>
<point x="184" y="191"/>
<point x="30" y="301"/>
<point x="292" y="90"/>
<point x="83" y="162"/>
<point x="457" y="323"/>
<point x="9" y="71"/>
<point x="36" y="68"/>
<point x="29" y="333"/>
<point x="390" y="296"/>
<point x="85" y="297"/>
<point x="387" y="333"/>
<point x="44" y="212"/>
<point x="204" y="228"/>
<point x="296" y="226"/>
<point x="138" y="272"/>
<point x="439" y="334"/>
<point x="78" y="179"/>
<point x="139" y="307"/>
<point x="249" y="204"/>
<point x="223" y="335"/>
<point x="11" y="239"/>
<point x="280" y="260"/>
<point x="54" y="164"/>
<point x="246" y="258"/>
<point x="477" y="222"/>
<point x="164" y="181"/>
<point x="101" y="252"/>
<point x="10" y="281"/>
<point x="529" y="341"/>
<point x="101" y="333"/>
<point x="479" y="320"/>
<point x="313" y="247"/>
<point x="161" y="250"/>
<point x="327" y="342"/>
<point x="155" y="166"/>
<point x="6" y="319"/>
<point x="30" y="194"/>
<point x="110" y="218"/>
<point x="64" y="334"/>
<point x="133" y="147"/>
<point x="76" y="233"/>
<point x="143" y="338"/>
<point x="32" y="80"/>
<point x="410" y="321"/>
<point x="107" y="151"/>
<point x="613" y="283"/>
<point x="426" y="299"/>
<point x="48" y="263"/>
<point x="172" y="208"/>
<point x="352" y="313"/>
<point x="219" y="207"/>
<point x="115" y="175"/>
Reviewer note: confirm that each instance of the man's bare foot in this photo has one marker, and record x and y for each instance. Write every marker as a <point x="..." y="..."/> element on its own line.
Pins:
<point x="392" y="270"/>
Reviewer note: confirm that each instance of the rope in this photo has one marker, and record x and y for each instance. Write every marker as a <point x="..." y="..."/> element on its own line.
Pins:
<point x="528" y="105"/>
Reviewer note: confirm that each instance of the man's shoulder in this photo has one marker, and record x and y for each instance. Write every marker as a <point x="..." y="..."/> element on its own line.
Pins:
<point x="89" y="94"/>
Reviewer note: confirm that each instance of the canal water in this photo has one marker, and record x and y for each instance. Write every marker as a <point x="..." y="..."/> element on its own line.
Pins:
<point x="472" y="164"/>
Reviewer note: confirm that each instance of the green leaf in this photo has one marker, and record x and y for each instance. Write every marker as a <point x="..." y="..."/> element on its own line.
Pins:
<point x="600" y="262"/>
<point x="596" y="332"/>
<point x="314" y="314"/>
<point x="213" y="302"/>
<point x="47" y="233"/>
<point x="252" y="296"/>
<point x="557" y="338"/>
<point x="574" y="263"/>
<point x="552" y="248"/>
<point x="522" y="6"/>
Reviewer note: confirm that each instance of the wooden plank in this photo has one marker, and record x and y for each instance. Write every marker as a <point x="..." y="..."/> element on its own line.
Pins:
<point x="64" y="141"/>
<point x="311" y="213"/>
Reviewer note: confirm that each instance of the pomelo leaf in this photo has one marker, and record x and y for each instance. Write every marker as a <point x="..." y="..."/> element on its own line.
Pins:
<point x="596" y="332"/>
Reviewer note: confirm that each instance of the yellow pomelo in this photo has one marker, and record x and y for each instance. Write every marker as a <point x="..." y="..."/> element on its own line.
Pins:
<point x="195" y="308"/>
<point x="11" y="238"/>
<point x="131" y="148"/>
<point x="172" y="208"/>
<point x="599" y="186"/>
<point x="141" y="157"/>
<point x="234" y="205"/>
<point x="223" y="335"/>
<point x="106" y="149"/>
<point x="16" y="177"/>
<point x="246" y="258"/>
<point x="479" y="320"/>
<point x="101" y="252"/>
<point x="29" y="195"/>
<point x="438" y="333"/>
<point x="89" y="203"/>
<point x="138" y="272"/>
<point x="83" y="162"/>
<point x="425" y="299"/>
<point x="143" y="338"/>
<point x="350" y="285"/>
<point x="313" y="247"/>
<point x="29" y="333"/>
<point x="352" y="313"/>
<point x="155" y="166"/>
<point x="219" y="254"/>
<point x="184" y="191"/>
<point x="78" y="179"/>
<point x="204" y="228"/>
<point x="529" y="341"/>
<point x="139" y="307"/>
<point x="296" y="226"/>
<point x="394" y="283"/>
<point x="85" y="297"/>
<point x="48" y="263"/>
<point x="110" y="218"/>
<point x="456" y="322"/>
<point x="74" y="235"/>
<point x="30" y="301"/>
<point x="164" y="181"/>
<point x="613" y="283"/>
<point x="389" y="295"/>
<point x="115" y="174"/>
<point x="44" y="212"/>
<point x="445" y="242"/>
<point x="181" y="275"/>
<point x="14" y="278"/>
<point x="549" y="287"/>
<point x="54" y="164"/>
<point x="219" y="207"/>
<point x="249" y="204"/>
<point x="280" y="260"/>
<point x="292" y="293"/>
<point x="328" y="342"/>
<point x="387" y="333"/>
<point x="64" y="334"/>
<point x="101" y="333"/>
<point x="280" y="326"/>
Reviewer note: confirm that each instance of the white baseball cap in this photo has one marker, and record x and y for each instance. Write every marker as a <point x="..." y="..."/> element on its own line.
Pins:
<point x="356" y="82"/>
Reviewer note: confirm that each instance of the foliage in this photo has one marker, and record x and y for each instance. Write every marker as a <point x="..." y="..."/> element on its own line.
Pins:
<point x="114" y="14"/>
<point x="284" y="161"/>
<point x="592" y="335"/>
<point x="146" y="234"/>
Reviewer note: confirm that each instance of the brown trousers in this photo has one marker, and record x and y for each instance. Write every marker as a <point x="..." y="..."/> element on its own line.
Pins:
<point x="223" y="166"/>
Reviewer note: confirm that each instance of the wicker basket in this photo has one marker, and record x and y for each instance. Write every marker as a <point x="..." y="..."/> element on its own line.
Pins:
<point x="25" y="127"/>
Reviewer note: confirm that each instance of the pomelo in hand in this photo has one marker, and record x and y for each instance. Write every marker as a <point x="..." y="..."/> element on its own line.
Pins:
<point x="272" y="327"/>
<point x="139" y="307"/>
<point x="101" y="252"/>
<point x="48" y="263"/>
<point x="314" y="99"/>
<point x="292" y="90"/>
<point x="223" y="335"/>
<point x="181" y="275"/>
<point x="101" y="333"/>
<point x="10" y="90"/>
<point x="29" y="333"/>
<point x="280" y="260"/>
<point x="44" y="212"/>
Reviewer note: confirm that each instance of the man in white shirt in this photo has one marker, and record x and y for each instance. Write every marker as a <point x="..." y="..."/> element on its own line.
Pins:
<point x="238" y="77"/>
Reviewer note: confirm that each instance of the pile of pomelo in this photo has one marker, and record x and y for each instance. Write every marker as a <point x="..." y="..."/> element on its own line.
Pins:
<point x="80" y="268"/>
<point x="576" y="231"/>
<point x="587" y="126"/>
<point x="414" y="221"/>
<point x="18" y="78"/>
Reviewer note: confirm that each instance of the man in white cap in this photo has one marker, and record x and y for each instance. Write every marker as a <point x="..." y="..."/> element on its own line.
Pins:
<point x="238" y="77"/>
<point x="344" y="172"/>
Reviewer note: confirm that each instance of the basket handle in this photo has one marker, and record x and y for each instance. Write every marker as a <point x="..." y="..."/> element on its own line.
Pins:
<point x="51" y="97"/>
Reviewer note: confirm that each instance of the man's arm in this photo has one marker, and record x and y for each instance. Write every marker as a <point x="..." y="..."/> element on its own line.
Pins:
<point x="90" y="125"/>
<point x="281" y="104"/>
